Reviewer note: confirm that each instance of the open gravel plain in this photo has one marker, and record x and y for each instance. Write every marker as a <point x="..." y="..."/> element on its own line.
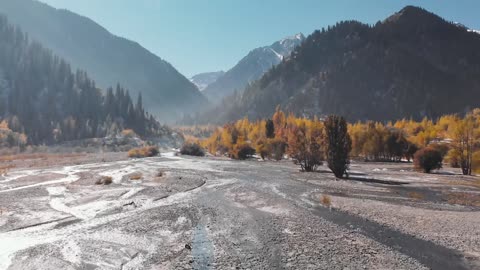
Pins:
<point x="173" y="212"/>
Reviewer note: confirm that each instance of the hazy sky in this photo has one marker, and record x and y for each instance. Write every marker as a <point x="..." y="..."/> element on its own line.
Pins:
<point x="209" y="35"/>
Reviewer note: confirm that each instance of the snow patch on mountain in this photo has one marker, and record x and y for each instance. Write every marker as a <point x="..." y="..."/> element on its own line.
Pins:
<point x="203" y="80"/>
<point x="474" y="31"/>
<point x="277" y="54"/>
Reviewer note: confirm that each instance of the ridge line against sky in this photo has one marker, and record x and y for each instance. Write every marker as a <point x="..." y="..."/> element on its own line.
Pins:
<point x="198" y="36"/>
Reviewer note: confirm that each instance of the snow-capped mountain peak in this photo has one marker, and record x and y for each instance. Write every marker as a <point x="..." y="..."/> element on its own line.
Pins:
<point x="252" y="67"/>
<point x="286" y="45"/>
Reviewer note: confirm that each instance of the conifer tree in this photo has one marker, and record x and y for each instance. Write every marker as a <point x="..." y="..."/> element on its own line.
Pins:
<point x="270" y="129"/>
<point x="338" y="145"/>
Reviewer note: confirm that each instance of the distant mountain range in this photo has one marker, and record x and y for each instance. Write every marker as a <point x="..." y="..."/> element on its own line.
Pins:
<point x="203" y="80"/>
<point x="251" y="68"/>
<point x="414" y="64"/>
<point x="107" y="58"/>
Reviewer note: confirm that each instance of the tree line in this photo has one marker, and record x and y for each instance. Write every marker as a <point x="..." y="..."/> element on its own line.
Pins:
<point x="43" y="99"/>
<point x="309" y="142"/>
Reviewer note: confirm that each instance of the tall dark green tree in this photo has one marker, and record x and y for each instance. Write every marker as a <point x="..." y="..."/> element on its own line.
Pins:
<point x="338" y="145"/>
<point x="270" y="129"/>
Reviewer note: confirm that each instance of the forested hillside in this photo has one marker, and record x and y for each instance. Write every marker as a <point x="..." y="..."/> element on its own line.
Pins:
<point x="109" y="59"/>
<point x="414" y="64"/>
<point x="42" y="98"/>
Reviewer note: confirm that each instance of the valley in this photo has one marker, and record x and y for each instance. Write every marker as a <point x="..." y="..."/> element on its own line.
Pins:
<point x="355" y="146"/>
<point x="212" y="213"/>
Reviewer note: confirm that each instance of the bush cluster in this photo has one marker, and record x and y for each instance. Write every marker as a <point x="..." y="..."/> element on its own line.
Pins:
<point x="192" y="149"/>
<point x="242" y="151"/>
<point x="104" y="180"/>
<point x="143" y="152"/>
<point x="428" y="159"/>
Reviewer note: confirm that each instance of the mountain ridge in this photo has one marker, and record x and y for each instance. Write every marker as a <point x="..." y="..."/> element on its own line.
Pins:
<point x="109" y="59"/>
<point x="251" y="67"/>
<point x="410" y="65"/>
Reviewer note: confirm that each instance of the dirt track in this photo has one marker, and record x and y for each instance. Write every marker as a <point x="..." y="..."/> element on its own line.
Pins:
<point x="204" y="213"/>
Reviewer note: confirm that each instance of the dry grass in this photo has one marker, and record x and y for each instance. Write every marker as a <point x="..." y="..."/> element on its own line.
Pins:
<point x="469" y="183"/>
<point x="104" y="180"/>
<point x="136" y="176"/>
<point x="20" y="157"/>
<point x="416" y="196"/>
<point x="148" y="151"/>
<point x="326" y="200"/>
<point x="462" y="198"/>
<point x="4" y="169"/>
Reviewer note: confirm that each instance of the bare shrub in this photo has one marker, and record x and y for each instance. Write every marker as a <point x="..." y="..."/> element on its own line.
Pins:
<point x="326" y="200"/>
<point x="136" y="176"/>
<point x="104" y="180"/>
<point x="416" y="195"/>
<point x="160" y="173"/>
<point x="462" y="198"/>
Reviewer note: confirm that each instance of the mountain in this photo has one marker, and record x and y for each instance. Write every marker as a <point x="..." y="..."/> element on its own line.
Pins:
<point x="108" y="58"/>
<point x="474" y="31"/>
<point x="41" y="98"/>
<point x="202" y="80"/>
<point x="414" y="64"/>
<point x="251" y="68"/>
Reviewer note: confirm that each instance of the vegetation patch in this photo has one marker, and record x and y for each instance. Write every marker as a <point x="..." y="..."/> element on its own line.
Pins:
<point x="242" y="151"/>
<point x="326" y="200"/>
<point x="416" y="196"/>
<point x="136" y="176"/>
<point x="143" y="152"/>
<point x="104" y="180"/>
<point x="462" y="198"/>
<point x="470" y="183"/>
<point x="192" y="149"/>
<point x="161" y="173"/>
<point x="4" y="169"/>
<point x="428" y="159"/>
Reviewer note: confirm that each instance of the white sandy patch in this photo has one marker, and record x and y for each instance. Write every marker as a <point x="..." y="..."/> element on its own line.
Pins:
<point x="170" y="155"/>
<point x="71" y="252"/>
<point x="19" y="174"/>
<point x="278" y="192"/>
<point x="15" y="241"/>
<point x="59" y="200"/>
<point x="221" y="182"/>
<point x="132" y="192"/>
<point x="68" y="179"/>
<point x="181" y="221"/>
<point x="273" y="209"/>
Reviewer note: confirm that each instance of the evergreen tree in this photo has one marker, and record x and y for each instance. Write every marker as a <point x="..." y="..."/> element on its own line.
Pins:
<point x="270" y="129"/>
<point x="338" y="145"/>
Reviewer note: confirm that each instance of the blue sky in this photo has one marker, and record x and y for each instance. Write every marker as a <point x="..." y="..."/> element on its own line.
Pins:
<point x="209" y="35"/>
